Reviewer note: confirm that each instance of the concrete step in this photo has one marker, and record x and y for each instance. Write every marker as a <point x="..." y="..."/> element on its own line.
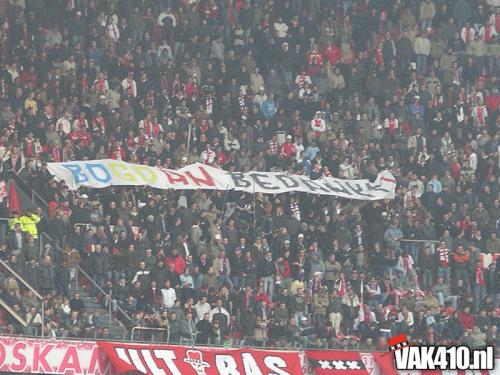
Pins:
<point x="116" y="330"/>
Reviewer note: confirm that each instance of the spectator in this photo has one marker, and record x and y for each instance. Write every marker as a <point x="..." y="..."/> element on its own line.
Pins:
<point x="410" y="88"/>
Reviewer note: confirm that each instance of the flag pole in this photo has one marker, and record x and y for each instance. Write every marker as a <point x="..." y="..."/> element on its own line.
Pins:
<point x="189" y="138"/>
<point x="254" y="211"/>
<point x="224" y="206"/>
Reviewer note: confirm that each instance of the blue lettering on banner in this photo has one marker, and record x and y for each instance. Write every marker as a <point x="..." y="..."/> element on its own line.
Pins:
<point x="101" y="167"/>
<point x="76" y="170"/>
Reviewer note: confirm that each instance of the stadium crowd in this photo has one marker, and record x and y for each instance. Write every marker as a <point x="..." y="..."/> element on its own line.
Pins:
<point x="342" y="88"/>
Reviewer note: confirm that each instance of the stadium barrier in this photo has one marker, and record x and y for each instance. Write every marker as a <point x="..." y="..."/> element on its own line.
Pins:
<point x="28" y="355"/>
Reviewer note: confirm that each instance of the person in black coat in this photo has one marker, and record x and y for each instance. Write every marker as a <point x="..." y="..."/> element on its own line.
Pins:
<point x="46" y="275"/>
<point x="62" y="278"/>
<point x="204" y="329"/>
<point x="76" y="303"/>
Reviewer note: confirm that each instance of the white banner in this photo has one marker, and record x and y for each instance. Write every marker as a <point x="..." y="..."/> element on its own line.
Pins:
<point x="102" y="173"/>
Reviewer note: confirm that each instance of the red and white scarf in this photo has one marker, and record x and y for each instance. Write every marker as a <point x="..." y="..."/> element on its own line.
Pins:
<point x="480" y="114"/>
<point x="209" y="105"/>
<point x="479" y="276"/>
<point x="444" y="258"/>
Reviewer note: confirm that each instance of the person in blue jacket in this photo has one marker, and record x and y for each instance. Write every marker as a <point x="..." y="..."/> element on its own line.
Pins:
<point x="268" y="107"/>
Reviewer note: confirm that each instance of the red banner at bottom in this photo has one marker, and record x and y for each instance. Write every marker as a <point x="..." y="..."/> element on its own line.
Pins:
<point x="325" y="362"/>
<point x="64" y="357"/>
<point x="182" y="360"/>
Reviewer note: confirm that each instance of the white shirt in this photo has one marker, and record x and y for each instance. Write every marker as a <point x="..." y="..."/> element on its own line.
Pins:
<point x="202" y="309"/>
<point x="318" y="125"/>
<point x="113" y="32"/>
<point x="473" y="161"/>
<point x="298" y="149"/>
<point x="162" y="15"/>
<point x="207" y="157"/>
<point x="126" y="84"/>
<point x="169" y="297"/>
<point x="281" y="29"/>
<point x="482" y="31"/>
<point x="409" y="320"/>
<point x="66" y="125"/>
<point x="216" y="311"/>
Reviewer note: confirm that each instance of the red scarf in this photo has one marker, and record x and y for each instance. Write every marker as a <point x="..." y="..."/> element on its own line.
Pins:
<point x="209" y="105"/>
<point x="317" y="125"/>
<point x="380" y="60"/>
<point x="56" y="155"/>
<point x="444" y="258"/>
<point x="85" y="84"/>
<point x="207" y="158"/>
<point x="101" y="85"/>
<point x="29" y="148"/>
<point x="241" y="102"/>
<point x="273" y="147"/>
<point x="436" y="100"/>
<point x="406" y="263"/>
<point x="154" y="130"/>
<point x="454" y="75"/>
<point x="147" y="126"/>
<point x="467" y="35"/>
<point x="221" y="157"/>
<point x="367" y="317"/>
<point x="302" y="81"/>
<point x="342" y="288"/>
<point x="3" y="88"/>
<point x="479" y="276"/>
<point x="480" y="115"/>
<point x="156" y="297"/>
<point x="25" y="38"/>
<point x="487" y="33"/>
<point x="392" y="125"/>
<point x="100" y="124"/>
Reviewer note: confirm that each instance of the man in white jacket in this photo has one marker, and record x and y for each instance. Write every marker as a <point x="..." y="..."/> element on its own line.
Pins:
<point x="168" y="294"/>
<point x="422" y="48"/>
<point x="112" y="31"/>
<point x="202" y="307"/>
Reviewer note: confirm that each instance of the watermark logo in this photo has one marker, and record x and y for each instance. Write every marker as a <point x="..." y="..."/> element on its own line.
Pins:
<point x="408" y="356"/>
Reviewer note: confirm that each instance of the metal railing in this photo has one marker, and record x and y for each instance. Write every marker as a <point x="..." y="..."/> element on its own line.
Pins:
<point x="44" y="235"/>
<point x="149" y="329"/>
<point x="87" y="276"/>
<point x="27" y="285"/>
<point x="418" y="241"/>
<point x="198" y="345"/>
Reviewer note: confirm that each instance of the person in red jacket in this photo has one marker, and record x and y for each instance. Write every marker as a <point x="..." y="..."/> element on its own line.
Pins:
<point x="331" y="53"/>
<point x="81" y="135"/>
<point x="284" y="271"/>
<point x="261" y="296"/>
<point x="288" y="150"/>
<point x="466" y="318"/>
<point x="177" y="260"/>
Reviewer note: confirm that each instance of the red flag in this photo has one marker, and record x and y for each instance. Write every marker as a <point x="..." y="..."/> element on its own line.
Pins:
<point x="14" y="204"/>
<point x="386" y="363"/>
<point x="330" y="362"/>
<point x="185" y="360"/>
